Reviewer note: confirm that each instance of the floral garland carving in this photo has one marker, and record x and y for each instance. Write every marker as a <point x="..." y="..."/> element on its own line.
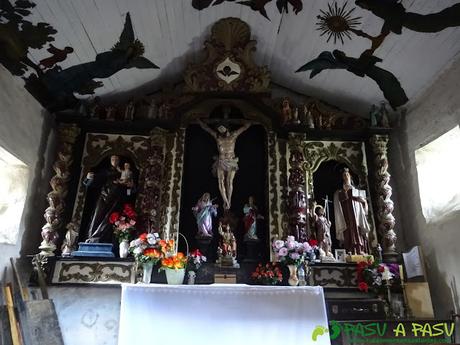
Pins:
<point x="385" y="205"/>
<point x="67" y="136"/>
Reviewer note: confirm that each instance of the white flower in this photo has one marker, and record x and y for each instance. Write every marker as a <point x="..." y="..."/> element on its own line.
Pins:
<point x="138" y="251"/>
<point x="151" y="239"/>
<point x="290" y="239"/>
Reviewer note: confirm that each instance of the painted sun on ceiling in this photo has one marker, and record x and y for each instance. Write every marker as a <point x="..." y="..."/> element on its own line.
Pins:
<point x="340" y="23"/>
<point x="47" y="81"/>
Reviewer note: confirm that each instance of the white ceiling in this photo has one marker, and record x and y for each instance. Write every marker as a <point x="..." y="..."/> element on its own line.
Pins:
<point x="173" y="33"/>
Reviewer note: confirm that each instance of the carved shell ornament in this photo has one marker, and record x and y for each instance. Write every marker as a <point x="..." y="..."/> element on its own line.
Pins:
<point x="228" y="70"/>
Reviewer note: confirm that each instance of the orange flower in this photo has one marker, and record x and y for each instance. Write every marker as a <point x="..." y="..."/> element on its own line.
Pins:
<point x="162" y="243"/>
<point x="180" y="255"/>
<point x="152" y="253"/>
<point x="171" y="243"/>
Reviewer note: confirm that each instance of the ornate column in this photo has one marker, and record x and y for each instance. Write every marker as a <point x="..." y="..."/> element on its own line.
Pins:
<point x="66" y="137"/>
<point x="297" y="197"/>
<point x="386" y="221"/>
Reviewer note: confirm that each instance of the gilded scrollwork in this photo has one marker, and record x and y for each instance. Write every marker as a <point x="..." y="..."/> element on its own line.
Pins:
<point x="153" y="156"/>
<point x="99" y="146"/>
<point x="273" y="184"/>
<point x="98" y="272"/>
<point x="177" y="181"/>
<point x="350" y="153"/>
<point x="229" y="64"/>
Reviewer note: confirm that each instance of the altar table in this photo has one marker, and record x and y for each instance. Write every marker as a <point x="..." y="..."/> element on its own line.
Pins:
<point x="221" y="315"/>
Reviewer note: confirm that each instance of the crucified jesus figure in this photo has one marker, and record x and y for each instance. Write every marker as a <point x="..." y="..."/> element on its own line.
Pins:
<point x="226" y="163"/>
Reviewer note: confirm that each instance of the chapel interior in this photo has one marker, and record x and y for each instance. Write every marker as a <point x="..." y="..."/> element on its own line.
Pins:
<point x="211" y="147"/>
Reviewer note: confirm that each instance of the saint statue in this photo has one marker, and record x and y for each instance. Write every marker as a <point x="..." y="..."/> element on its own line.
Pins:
<point x="113" y="193"/>
<point x="227" y="246"/>
<point x="323" y="231"/>
<point x="203" y="211"/>
<point x="226" y="163"/>
<point x="250" y="220"/>
<point x="350" y="210"/>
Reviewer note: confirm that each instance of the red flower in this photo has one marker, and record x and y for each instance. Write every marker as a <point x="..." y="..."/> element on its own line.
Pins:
<point x="381" y="268"/>
<point x="114" y="217"/>
<point x="312" y="242"/>
<point x="196" y="253"/>
<point x="143" y="237"/>
<point x="363" y="287"/>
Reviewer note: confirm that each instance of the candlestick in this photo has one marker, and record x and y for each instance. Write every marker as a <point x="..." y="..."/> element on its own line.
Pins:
<point x="401" y="273"/>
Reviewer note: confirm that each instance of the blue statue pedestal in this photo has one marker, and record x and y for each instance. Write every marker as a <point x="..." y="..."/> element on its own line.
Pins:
<point x="94" y="249"/>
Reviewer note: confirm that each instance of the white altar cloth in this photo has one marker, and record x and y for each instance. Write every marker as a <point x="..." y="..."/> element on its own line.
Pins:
<point x="221" y="315"/>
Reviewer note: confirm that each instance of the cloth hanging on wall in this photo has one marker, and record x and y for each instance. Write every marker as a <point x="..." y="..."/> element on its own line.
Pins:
<point x="221" y="314"/>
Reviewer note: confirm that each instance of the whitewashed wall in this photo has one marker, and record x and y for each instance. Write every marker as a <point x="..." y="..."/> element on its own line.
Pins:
<point x="25" y="132"/>
<point x="437" y="111"/>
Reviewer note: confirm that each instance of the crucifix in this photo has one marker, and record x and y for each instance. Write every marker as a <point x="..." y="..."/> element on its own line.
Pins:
<point x="226" y="164"/>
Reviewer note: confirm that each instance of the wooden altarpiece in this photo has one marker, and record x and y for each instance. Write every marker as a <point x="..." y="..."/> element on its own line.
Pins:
<point x="228" y="76"/>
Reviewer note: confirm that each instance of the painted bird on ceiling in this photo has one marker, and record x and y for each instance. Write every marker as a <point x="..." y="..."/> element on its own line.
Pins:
<point x="283" y="5"/>
<point x="257" y="5"/>
<point x="363" y="66"/>
<point x="126" y="53"/>
<point x="395" y="16"/>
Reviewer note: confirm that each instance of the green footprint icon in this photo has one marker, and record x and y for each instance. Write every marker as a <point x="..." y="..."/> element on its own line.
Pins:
<point x="319" y="330"/>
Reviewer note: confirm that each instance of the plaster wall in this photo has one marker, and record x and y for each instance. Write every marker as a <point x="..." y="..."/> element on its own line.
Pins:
<point x="437" y="111"/>
<point x="87" y="315"/>
<point x="26" y="133"/>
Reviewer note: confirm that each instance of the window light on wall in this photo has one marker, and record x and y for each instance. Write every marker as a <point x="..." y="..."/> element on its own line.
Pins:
<point x="438" y="167"/>
<point x="14" y="176"/>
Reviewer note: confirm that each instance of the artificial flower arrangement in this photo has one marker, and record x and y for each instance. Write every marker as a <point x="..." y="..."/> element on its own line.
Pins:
<point x="291" y="252"/>
<point x="372" y="275"/>
<point x="146" y="248"/>
<point x="195" y="260"/>
<point x="123" y="223"/>
<point x="170" y="258"/>
<point x="268" y="274"/>
<point x="175" y="262"/>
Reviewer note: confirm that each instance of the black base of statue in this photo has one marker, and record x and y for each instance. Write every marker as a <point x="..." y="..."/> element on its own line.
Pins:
<point x="252" y="251"/>
<point x="203" y="244"/>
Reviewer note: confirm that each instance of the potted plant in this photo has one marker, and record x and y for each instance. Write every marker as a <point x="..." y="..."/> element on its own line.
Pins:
<point x="194" y="262"/>
<point x="268" y="274"/>
<point x="124" y="226"/>
<point x="147" y="252"/>
<point x="292" y="254"/>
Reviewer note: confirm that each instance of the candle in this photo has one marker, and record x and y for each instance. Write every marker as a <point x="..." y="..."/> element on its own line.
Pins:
<point x="401" y="273"/>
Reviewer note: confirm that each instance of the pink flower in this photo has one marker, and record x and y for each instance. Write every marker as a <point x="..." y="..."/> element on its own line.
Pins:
<point x="283" y="252"/>
<point x="290" y="245"/>
<point x="294" y="256"/>
<point x="306" y="246"/>
<point x="290" y="239"/>
<point x="278" y="244"/>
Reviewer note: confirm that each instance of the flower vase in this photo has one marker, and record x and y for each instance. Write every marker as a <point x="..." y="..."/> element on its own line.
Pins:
<point x="191" y="277"/>
<point x="293" y="279"/>
<point x="147" y="274"/>
<point x="123" y="249"/>
<point x="175" y="277"/>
